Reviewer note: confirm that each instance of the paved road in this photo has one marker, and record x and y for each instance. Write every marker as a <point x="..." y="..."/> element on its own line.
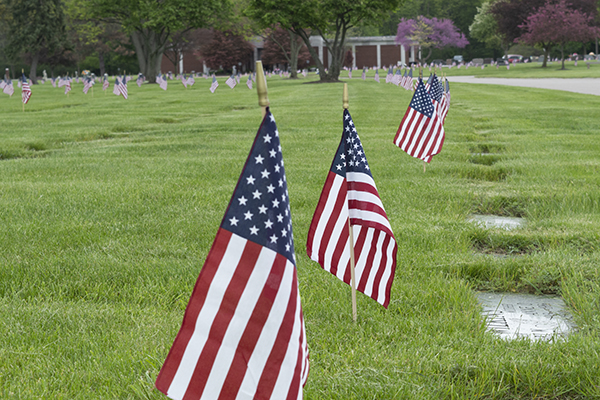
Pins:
<point x="577" y="85"/>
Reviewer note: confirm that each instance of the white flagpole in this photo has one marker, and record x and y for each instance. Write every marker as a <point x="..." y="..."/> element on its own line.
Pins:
<point x="345" y="101"/>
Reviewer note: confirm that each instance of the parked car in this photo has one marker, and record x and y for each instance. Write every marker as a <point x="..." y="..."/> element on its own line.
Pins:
<point x="513" y="58"/>
<point x="458" y="59"/>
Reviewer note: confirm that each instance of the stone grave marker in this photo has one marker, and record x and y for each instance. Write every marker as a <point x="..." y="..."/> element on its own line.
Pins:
<point x="494" y="221"/>
<point x="515" y="316"/>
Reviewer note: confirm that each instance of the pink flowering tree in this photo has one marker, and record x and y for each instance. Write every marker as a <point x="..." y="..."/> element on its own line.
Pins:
<point x="429" y="34"/>
<point x="557" y="24"/>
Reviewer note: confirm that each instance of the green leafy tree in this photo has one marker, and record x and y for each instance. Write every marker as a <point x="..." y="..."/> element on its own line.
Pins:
<point x="34" y="26"/>
<point x="282" y="46"/>
<point x="151" y="24"/>
<point x="485" y="28"/>
<point x="331" y="19"/>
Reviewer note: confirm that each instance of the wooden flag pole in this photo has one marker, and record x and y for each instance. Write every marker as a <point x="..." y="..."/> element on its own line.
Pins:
<point x="345" y="102"/>
<point x="261" y="87"/>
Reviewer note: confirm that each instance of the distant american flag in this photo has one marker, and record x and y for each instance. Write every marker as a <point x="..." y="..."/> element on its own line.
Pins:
<point x="184" y="80"/>
<point x="350" y="73"/>
<point x="350" y="196"/>
<point x="162" y="81"/>
<point x="421" y="133"/>
<point x="67" y="84"/>
<point x="87" y="84"/>
<point x="231" y="82"/>
<point x="390" y="75"/>
<point x="243" y="334"/>
<point x="8" y="89"/>
<point x="214" y="85"/>
<point x="140" y="80"/>
<point x="105" y="84"/>
<point x="376" y="75"/>
<point x="122" y="87"/>
<point x="116" y="90"/>
<point x="25" y="90"/>
<point x="191" y="80"/>
<point x="249" y="81"/>
<point x="364" y="74"/>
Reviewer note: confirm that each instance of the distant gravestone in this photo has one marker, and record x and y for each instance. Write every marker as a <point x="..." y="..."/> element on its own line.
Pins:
<point x="517" y="316"/>
<point x="477" y="61"/>
<point x="494" y="221"/>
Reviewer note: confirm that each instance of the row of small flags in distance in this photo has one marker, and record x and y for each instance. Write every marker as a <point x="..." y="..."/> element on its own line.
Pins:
<point x="243" y="332"/>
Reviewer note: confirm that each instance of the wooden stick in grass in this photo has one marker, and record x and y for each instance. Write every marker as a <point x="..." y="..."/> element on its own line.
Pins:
<point x="345" y="102"/>
<point x="261" y="87"/>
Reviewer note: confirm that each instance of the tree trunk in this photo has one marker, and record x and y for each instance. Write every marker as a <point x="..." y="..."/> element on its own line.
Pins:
<point x="546" y="54"/>
<point x="149" y="48"/>
<point x="294" y="51"/>
<point x="306" y="38"/>
<point x="101" y="63"/>
<point x="33" y="71"/>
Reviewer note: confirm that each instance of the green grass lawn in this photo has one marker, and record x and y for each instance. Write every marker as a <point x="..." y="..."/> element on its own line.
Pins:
<point x="109" y="207"/>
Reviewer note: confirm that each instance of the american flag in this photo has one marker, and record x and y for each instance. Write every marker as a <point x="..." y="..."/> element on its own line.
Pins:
<point x="249" y="81"/>
<point x="184" y="80"/>
<point x="2" y="84"/>
<point x="140" y="79"/>
<point x="214" y="85"/>
<point x="376" y="75"/>
<point x="397" y="77"/>
<point x="364" y="73"/>
<point x="25" y="90"/>
<point x="67" y="85"/>
<point x="87" y="84"/>
<point x="243" y="332"/>
<point x="105" y="84"/>
<point x="421" y="133"/>
<point x="436" y="91"/>
<point x="390" y="75"/>
<point x="350" y="73"/>
<point x="191" y="80"/>
<point x="231" y="82"/>
<point x="53" y="82"/>
<point x="408" y="81"/>
<point x="445" y="103"/>
<point x="122" y="87"/>
<point x="350" y="196"/>
<point x="162" y="81"/>
<point x="116" y="90"/>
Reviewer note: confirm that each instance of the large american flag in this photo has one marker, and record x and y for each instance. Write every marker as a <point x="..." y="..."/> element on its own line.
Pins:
<point x="25" y="90"/>
<point x="421" y="133"/>
<point x="350" y="194"/>
<point x="243" y="332"/>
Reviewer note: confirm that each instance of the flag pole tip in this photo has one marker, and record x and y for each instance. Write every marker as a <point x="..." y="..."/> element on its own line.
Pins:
<point x="261" y="86"/>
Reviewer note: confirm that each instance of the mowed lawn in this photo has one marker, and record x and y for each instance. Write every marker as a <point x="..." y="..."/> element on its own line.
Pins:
<point x="108" y="208"/>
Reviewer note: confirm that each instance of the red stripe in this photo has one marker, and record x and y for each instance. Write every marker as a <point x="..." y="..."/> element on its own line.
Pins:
<point x="366" y="206"/>
<point x="318" y="212"/>
<point x="383" y="265"/>
<point x="362" y="187"/>
<point x="296" y="380"/>
<point x="369" y="264"/>
<point x="167" y="373"/>
<point x="269" y="375"/>
<point x="253" y="329"/>
<point x="388" y="287"/>
<point x="405" y="127"/>
<point x="412" y="134"/>
<point x="340" y="247"/>
<point x="232" y="295"/>
<point x="332" y="219"/>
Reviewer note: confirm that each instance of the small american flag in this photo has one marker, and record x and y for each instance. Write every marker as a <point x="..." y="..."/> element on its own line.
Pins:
<point x="243" y="332"/>
<point x="376" y="75"/>
<point x="8" y="89"/>
<point x="364" y="73"/>
<point x="249" y="81"/>
<point x="87" y="84"/>
<point x="25" y="90"/>
<point x="67" y="84"/>
<point x="116" y="90"/>
<point x="390" y="75"/>
<point x="214" y="85"/>
<point x="191" y="80"/>
<point x="140" y="79"/>
<point x="105" y="84"/>
<point x="231" y="82"/>
<point x="350" y="196"/>
<point x="53" y="82"/>
<point x="350" y="73"/>
<point x="122" y="87"/>
<point x="162" y="81"/>
<point x="397" y="77"/>
<point x="184" y="80"/>
<point x="421" y="133"/>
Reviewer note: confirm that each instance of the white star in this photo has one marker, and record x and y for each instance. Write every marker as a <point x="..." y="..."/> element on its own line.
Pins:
<point x="347" y="116"/>
<point x="343" y="156"/>
<point x="254" y="230"/>
<point x="276" y="132"/>
<point x="277" y="168"/>
<point x="272" y="153"/>
<point x="262" y="209"/>
<point x="275" y="203"/>
<point x="347" y="129"/>
<point x="242" y="201"/>
<point x="283" y="197"/>
<point x="267" y="138"/>
<point x="280" y="182"/>
<point x="271" y="188"/>
<point x="272" y="118"/>
<point x="273" y="239"/>
<point x="339" y="167"/>
<point x="268" y="224"/>
<point x="259" y="159"/>
<point x="284" y="233"/>
<point x="279" y="218"/>
<point x="250" y="180"/>
<point x="233" y="221"/>
<point x="265" y="174"/>
<point x="256" y="194"/>
<point x="348" y="140"/>
<point x="287" y="247"/>
<point x="248" y="215"/>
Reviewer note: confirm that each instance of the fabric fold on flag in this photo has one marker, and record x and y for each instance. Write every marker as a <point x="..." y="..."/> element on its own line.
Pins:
<point x="243" y="333"/>
<point x="421" y="133"/>
<point x="350" y="196"/>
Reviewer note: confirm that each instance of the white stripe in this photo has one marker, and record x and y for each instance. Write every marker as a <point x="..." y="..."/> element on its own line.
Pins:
<point x="407" y="128"/>
<point x="415" y="128"/>
<point x="361" y="262"/>
<point x="387" y="274"/>
<point x="207" y="314"/>
<point x="267" y="338"/>
<point x="367" y="197"/>
<point x="341" y="224"/>
<point x="371" y="217"/>
<point x="243" y="312"/>
<point x="327" y="211"/>
<point x="416" y="142"/>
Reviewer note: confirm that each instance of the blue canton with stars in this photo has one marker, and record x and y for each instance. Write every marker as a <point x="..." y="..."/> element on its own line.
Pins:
<point x="259" y="210"/>
<point x="436" y="89"/>
<point x="421" y="100"/>
<point x="350" y="156"/>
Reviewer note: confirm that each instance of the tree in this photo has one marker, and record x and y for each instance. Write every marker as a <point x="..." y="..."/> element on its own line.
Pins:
<point x="331" y="19"/>
<point x="485" y="28"/>
<point x="284" y="46"/>
<point x="226" y="50"/>
<point x="429" y="33"/>
<point x="556" y="24"/>
<point x="35" y="26"/>
<point x="151" y="24"/>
